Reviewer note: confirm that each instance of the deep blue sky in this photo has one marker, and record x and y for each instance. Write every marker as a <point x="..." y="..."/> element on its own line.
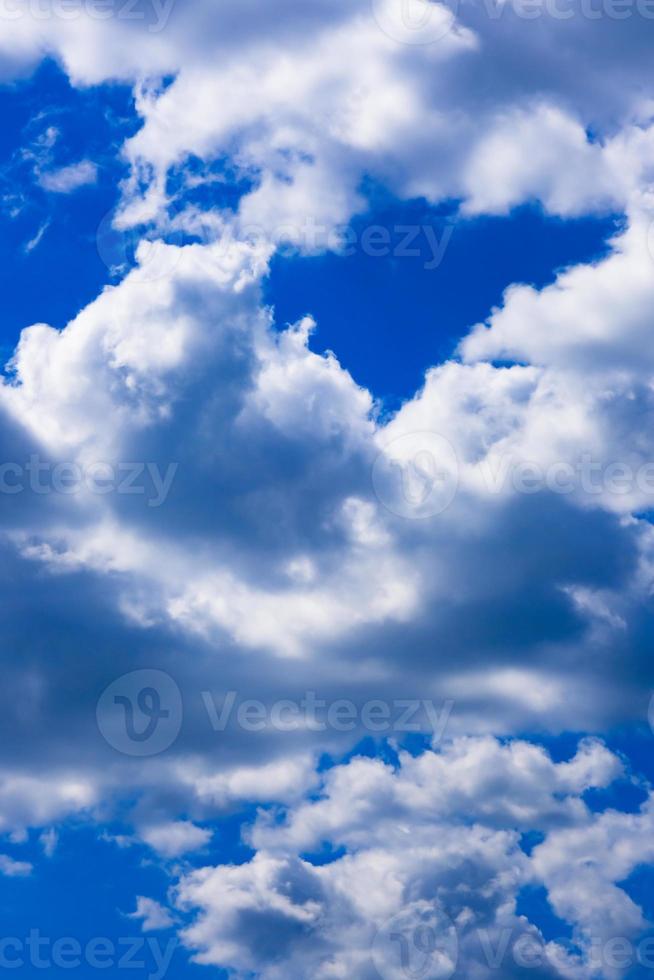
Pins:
<point x="389" y="318"/>
<point x="56" y="279"/>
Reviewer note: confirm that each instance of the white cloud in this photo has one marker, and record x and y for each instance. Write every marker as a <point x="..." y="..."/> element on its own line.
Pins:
<point x="49" y="840"/>
<point x="272" y="543"/>
<point x="36" y="240"/>
<point x="308" y="124"/>
<point x="281" y="781"/>
<point x="273" y="568"/>
<point x="27" y="799"/>
<point x="583" y="871"/>
<point x="174" y="839"/>
<point x="14" y="869"/>
<point x="439" y="832"/>
<point x="153" y="915"/>
<point x="68" y="179"/>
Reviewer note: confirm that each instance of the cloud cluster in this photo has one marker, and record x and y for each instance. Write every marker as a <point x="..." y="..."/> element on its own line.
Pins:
<point x="275" y="543"/>
<point x="427" y="856"/>
<point x="472" y="103"/>
<point x="488" y="545"/>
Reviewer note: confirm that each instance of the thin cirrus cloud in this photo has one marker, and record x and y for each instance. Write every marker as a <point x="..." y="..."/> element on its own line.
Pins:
<point x="65" y="180"/>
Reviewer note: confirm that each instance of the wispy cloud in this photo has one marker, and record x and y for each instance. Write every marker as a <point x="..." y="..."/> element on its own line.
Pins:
<point x="68" y="179"/>
<point x="14" y="869"/>
<point x="36" y="240"/>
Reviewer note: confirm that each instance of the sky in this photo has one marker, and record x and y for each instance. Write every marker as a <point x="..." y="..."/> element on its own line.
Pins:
<point x="326" y="489"/>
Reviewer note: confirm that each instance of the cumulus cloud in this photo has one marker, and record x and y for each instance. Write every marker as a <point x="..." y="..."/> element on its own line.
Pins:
<point x="174" y="839"/>
<point x="274" y="543"/>
<point x="153" y="915"/>
<point x="244" y="518"/>
<point x="305" y="123"/>
<point x="434" y="839"/>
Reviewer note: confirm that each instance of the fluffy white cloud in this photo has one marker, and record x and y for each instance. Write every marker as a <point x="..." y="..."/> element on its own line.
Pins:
<point x="153" y="915"/>
<point x="434" y="839"/>
<point x="515" y="784"/>
<point x="30" y="800"/>
<point x="270" y="553"/>
<point x="306" y="104"/>
<point x="174" y="839"/>
<point x="272" y="540"/>
<point x="583" y="870"/>
<point x="280" y="781"/>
